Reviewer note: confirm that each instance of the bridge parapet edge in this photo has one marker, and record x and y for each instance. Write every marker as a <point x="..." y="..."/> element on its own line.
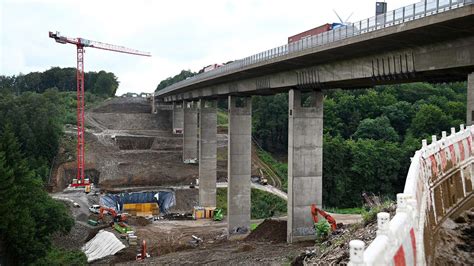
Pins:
<point x="439" y="183"/>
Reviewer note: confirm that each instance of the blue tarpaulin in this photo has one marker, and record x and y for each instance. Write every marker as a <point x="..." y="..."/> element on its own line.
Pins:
<point x="165" y="199"/>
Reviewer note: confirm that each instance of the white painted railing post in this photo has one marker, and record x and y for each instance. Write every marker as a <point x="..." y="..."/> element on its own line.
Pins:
<point x="383" y="218"/>
<point x="356" y="253"/>
<point x="402" y="203"/>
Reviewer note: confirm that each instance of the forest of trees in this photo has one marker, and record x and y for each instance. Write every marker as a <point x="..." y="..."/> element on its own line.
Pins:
<point x="177" y="78"/>
<point x="33" y="111"/>
<point x="64" y="79"/>
<point x="31" y="126"/>
<point x="369" y="134"/>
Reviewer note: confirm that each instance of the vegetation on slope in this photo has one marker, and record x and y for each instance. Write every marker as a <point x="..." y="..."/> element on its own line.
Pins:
<point x="31" y="127"/>
<point x="64" y="79"/>
<point x="369" y="135"/>
<point x="184" y="74"/>
<point x="263" y="204"/>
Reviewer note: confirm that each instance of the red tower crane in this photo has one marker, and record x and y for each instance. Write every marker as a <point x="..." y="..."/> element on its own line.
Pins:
<point x="81" y="43"/>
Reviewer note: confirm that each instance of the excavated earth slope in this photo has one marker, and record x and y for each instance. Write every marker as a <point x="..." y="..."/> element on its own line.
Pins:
<point x="127" y="145"/>
<point x="131" y="146"/>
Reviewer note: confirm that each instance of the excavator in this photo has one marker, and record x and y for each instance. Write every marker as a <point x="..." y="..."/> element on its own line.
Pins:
<point x="329" y="218"/>
<point x="119" y="219"/>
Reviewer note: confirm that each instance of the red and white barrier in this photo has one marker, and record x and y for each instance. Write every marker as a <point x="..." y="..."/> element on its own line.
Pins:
<point x="423" y="203"/>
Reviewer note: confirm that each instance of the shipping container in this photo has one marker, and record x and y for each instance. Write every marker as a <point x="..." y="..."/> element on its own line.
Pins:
<point x="309" y="33"/>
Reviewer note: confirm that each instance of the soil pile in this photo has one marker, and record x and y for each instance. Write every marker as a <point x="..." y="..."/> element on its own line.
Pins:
<point x="270" y="230"/>
<point x="456" y="241"/>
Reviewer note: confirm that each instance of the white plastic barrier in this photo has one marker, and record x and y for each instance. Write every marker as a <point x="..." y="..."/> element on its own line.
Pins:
<point x="439" y="181"/>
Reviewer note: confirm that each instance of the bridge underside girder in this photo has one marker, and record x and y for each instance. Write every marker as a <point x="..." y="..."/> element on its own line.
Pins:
<point x="441" y="62"/>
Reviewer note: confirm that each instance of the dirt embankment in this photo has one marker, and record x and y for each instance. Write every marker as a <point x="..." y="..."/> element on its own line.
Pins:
<point x="455" y="245"/>
<point x="266" y="245"/>
<point x="127" y="145"/>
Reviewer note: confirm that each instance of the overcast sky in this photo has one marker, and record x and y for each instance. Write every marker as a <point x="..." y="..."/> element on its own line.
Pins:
<point x="179" y="34"/>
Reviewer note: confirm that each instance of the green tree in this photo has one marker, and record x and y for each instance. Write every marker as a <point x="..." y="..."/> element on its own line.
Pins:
<point x="30" y="215"/>
<point x="270" y="121"/>
<point x="105" y="84"/>
<point x="378" y="129"/>
<point x="430" y="120"/>
<point x="333" y="124"/>
<point x="337" y="159"/>
<point x="400" y="115"/>
<point x="375" y="166"/>
<point x="371" y="104"/>
<point x="184" y="74"/>
<point x="64" y="79"/>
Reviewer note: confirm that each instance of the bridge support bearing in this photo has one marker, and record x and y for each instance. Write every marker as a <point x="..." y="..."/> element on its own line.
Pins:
<point x="190" y="141"/>
<point x="470" y="99"/>
<point x="207" y="153"/>
<point x="305" y="164"/>
<point x="178" y="118"/>
<point x="238" y="166"/>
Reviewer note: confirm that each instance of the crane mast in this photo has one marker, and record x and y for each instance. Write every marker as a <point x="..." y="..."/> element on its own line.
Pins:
<point x="81" y="43"/>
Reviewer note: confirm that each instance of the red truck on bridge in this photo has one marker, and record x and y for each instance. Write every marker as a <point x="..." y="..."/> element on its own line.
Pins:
<point x="313" y="32"/>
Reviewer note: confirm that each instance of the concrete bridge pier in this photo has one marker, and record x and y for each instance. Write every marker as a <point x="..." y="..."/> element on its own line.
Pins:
<point x="305" y="163"/>
<point x="178" y="117"/>
<point x="190" y="139"/>
<point x="207" y="153"/>
<point x="470" y="99"/>
<point x="239" y="163"/>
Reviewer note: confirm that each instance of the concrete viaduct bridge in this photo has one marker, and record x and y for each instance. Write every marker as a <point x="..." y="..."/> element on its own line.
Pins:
<point x="428" y="41"/>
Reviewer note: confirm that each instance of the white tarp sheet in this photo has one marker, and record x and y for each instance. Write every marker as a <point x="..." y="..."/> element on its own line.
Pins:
<point x="103" y="244"/>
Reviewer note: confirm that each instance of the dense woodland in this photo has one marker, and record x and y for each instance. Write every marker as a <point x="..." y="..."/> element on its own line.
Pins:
<point x="64" y="79"/>
<point x="31" y="127"/>
<point x="369" y="134"/>
<point x="184" y="74"/>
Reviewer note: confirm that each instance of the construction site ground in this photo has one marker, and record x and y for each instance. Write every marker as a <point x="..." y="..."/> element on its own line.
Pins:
<point x="129" y="149"/>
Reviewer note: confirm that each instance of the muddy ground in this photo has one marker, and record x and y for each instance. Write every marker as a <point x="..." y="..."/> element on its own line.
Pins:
<point x="456" y="240"/>
<point x="265" y="245"/>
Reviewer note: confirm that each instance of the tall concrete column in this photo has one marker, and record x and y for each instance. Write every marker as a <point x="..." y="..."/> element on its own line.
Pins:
<point x="153" y="104"/>
<point x="207" y="153"/>
<point x="178" y="118"/>
<point x="238" y="165"/>
<point x="470" y="99"/>
<point x="305" y="164"/>
<point x="190" y="138"/>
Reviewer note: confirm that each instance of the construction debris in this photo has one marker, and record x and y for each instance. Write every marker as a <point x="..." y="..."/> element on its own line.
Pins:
<point x="203" y="212"/>
<point x="178" y="216"/>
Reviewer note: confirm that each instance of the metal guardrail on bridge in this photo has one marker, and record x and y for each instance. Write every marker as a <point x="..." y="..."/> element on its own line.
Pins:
<point x="391" y="18"/>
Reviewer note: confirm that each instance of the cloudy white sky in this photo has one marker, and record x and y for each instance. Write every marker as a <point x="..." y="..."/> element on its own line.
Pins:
<point x="179" y="34"/>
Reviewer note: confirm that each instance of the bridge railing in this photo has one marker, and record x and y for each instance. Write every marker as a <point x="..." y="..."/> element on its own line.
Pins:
<point x="391" y="18"/>
<point x="439" y="183"/>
